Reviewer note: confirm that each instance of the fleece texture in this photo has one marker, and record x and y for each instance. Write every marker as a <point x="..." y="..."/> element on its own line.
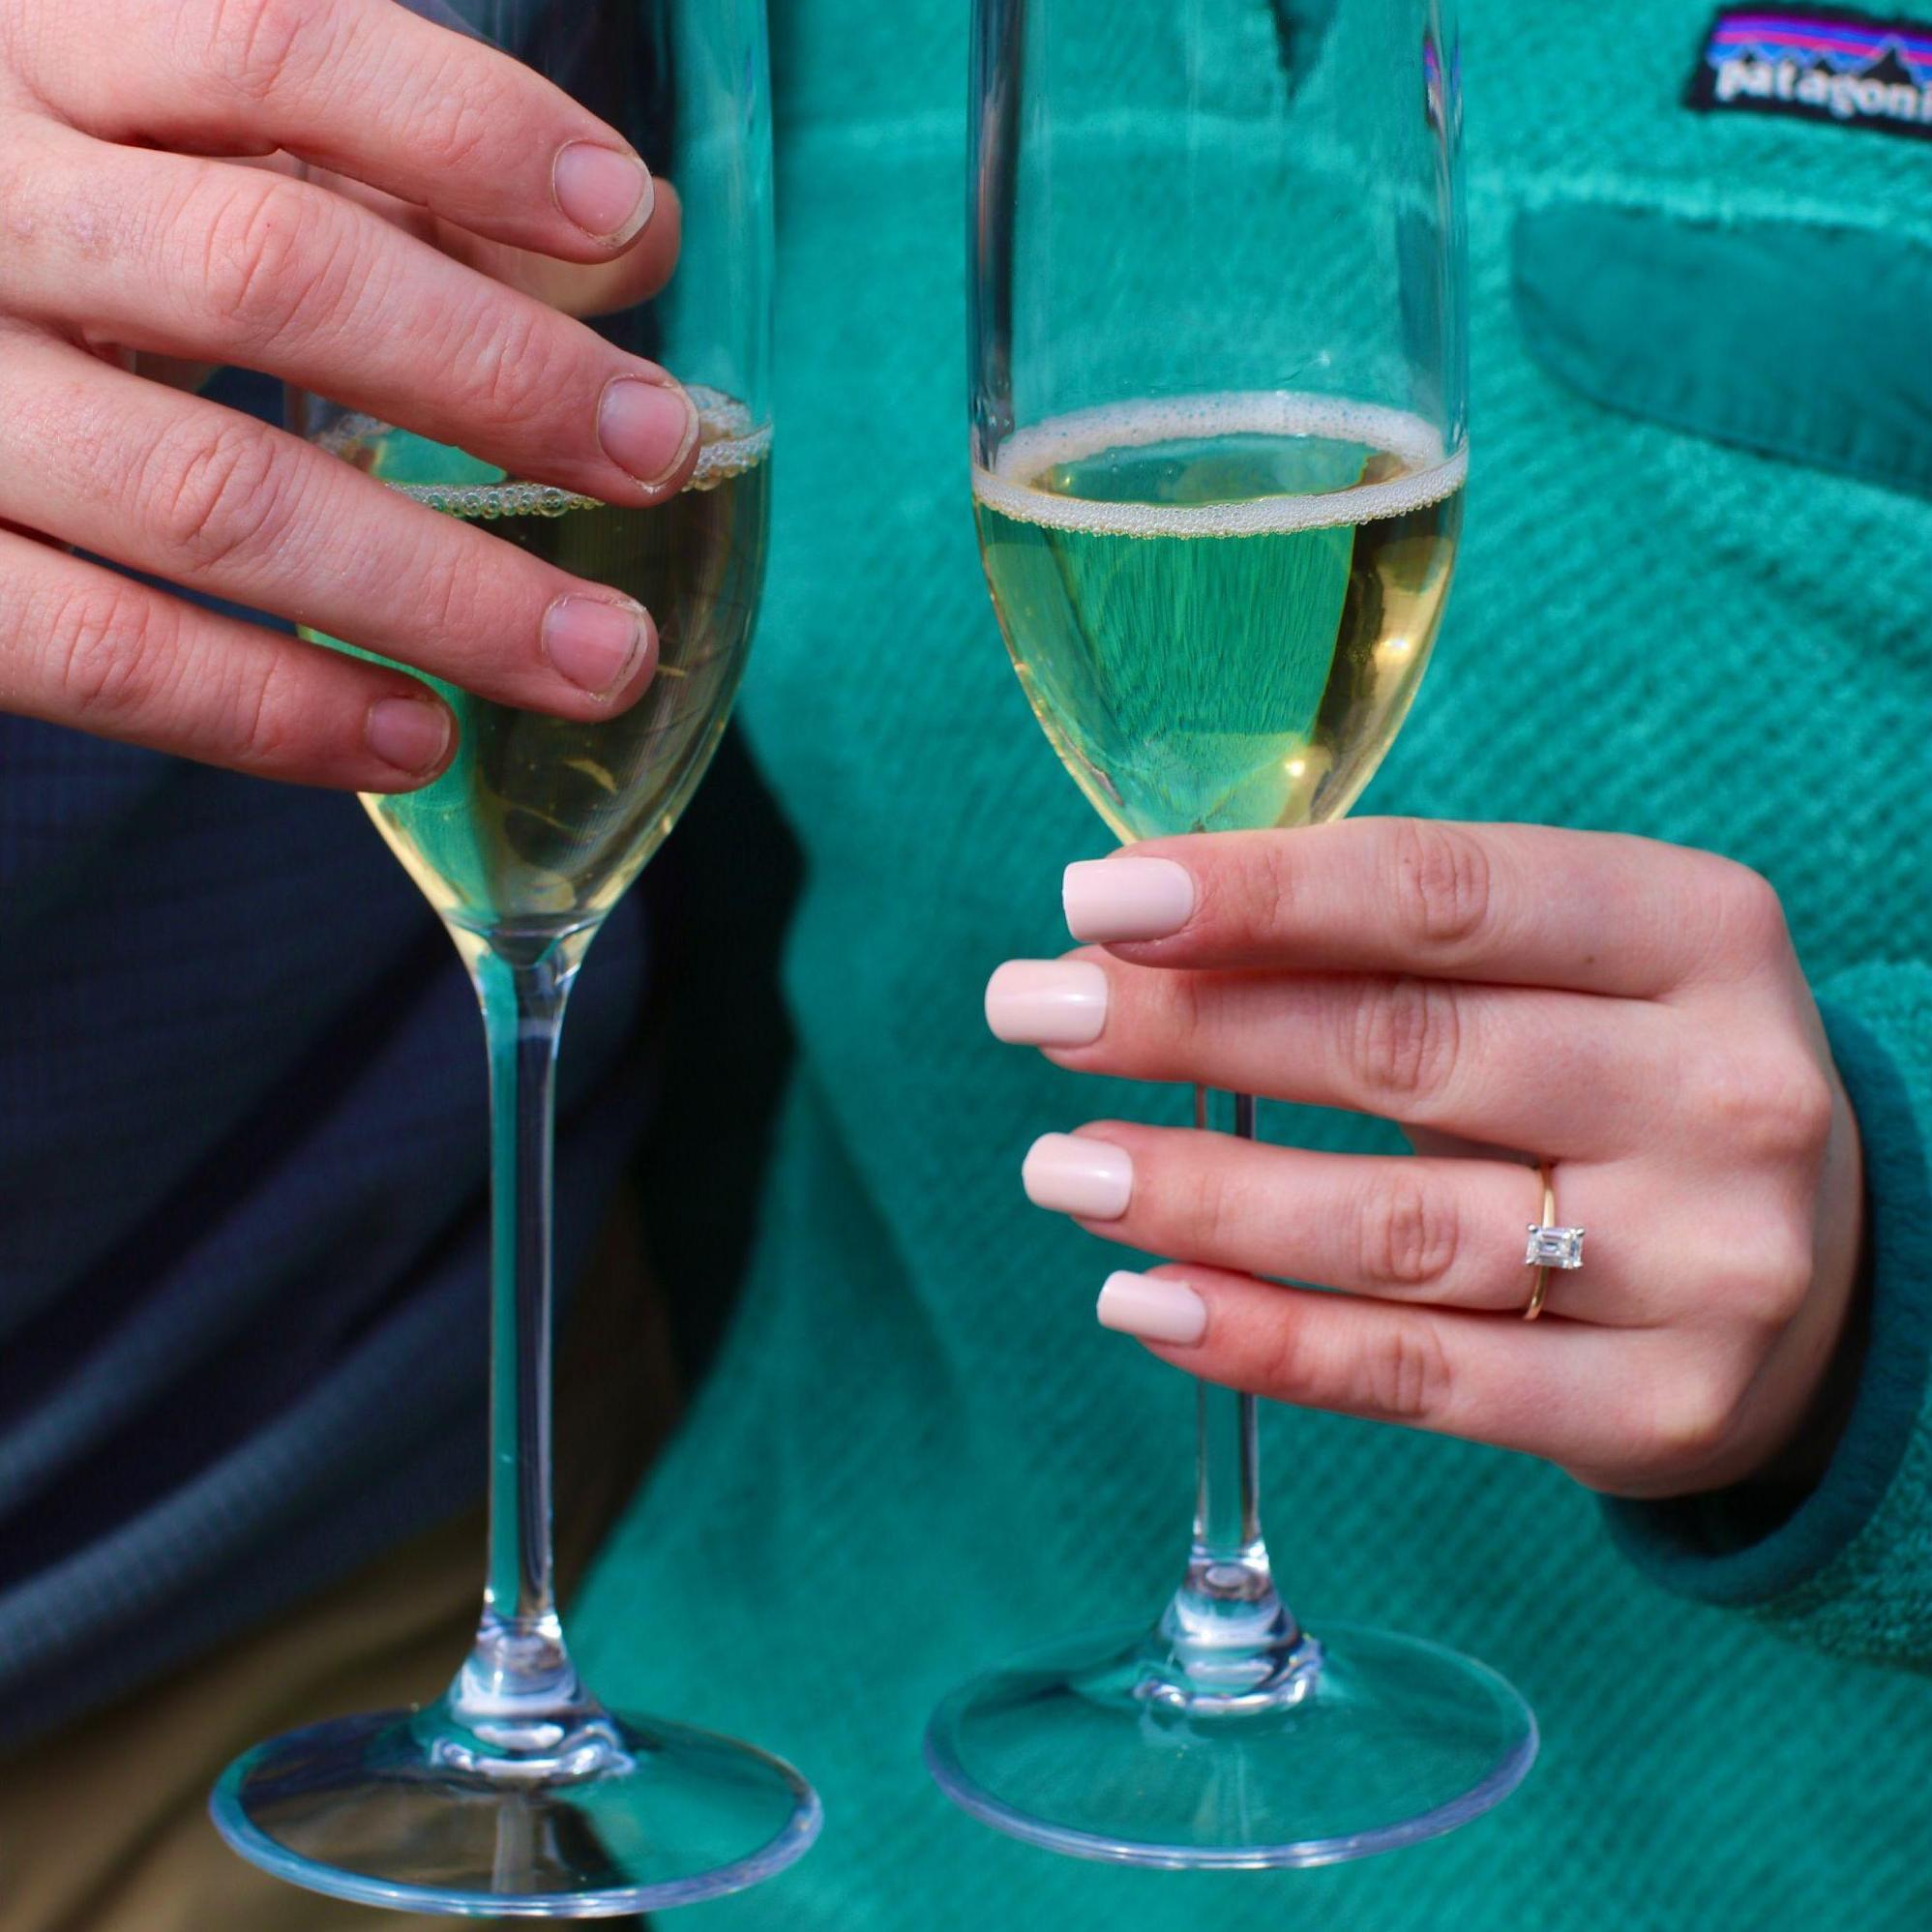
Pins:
<point x="918" y="1452"/>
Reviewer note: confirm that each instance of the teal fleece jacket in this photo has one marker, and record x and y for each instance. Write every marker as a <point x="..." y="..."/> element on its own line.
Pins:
<point x="1694" y="601"/>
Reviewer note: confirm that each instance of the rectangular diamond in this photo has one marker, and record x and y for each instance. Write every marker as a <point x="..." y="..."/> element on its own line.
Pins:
<point x="1554" y="1248"/>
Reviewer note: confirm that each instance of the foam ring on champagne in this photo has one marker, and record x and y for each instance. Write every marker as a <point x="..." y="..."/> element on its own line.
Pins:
<point x="730" y="442"/>
<point x="1429" y="475"/>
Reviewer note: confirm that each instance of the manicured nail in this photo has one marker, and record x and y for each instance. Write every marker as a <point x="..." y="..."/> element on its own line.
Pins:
<point x="597" y="646"/>
<point x="411" y="734"/>
<point x="607" y="193"/>
<point x="1074" y="1175"/>
<point x="646" y="428"/>
<point x="1111" y="899"/>
<point x="1154" y="1309"/>
<point x="1047" y="1002"/>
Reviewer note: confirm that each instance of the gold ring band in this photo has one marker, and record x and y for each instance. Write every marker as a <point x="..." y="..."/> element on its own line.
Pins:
<point x="1541" y="1287"/>
<point x="1550" y="1246"/>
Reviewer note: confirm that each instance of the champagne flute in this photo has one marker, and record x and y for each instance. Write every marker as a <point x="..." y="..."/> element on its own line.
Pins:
<point x="1217" y="365"/>
<point x="517" y="1794"/>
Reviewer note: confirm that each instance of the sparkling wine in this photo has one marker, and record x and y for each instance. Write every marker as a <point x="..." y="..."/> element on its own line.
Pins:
<point x="539" y="825"/>
<point x="1221" y="607"/>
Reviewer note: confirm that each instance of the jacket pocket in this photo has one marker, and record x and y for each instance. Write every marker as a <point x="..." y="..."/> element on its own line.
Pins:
<point x="1798" y="340"/>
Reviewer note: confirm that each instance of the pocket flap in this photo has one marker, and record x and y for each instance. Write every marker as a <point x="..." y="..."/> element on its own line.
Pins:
<point x="1795" y="339"/>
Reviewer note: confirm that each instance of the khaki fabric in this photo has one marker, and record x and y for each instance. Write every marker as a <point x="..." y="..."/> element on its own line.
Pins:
<point x="104" y="1827"/>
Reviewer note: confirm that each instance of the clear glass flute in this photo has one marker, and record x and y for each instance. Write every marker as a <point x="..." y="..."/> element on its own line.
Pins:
<point x="1217" y="370"/>
<point x="518" y="1793"/>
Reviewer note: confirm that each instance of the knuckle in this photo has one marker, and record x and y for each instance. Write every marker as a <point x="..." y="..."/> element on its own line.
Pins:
<point x="510" y="365"/>
<point x="216" y="493"/>
<point x="458" y="116"/>
<point x="1783" y="1285"/>
<point x="1440" y="882"/>
<point x="1282" y="1364"/>
<point x="1747" y="915"/>
<point x="1402" y="1375"/>
<point x="259" y="46"/>
<point x="1271" y="886"/>
<point x="23" y="180"/>
<point x="101" y="640"/>
<point x="1763" y="1283"/>
<point x="1796" y="1119"/>
<point x="448" y="595"/>
<point x="270" y="256"/>
<point x="1402" y="1041"/>
<point x="1770" y="1108"/>
<point x="1691" y="1415"/>
<point x="1181" y="1009"/>
<point x="256" y="726"/>
<point x="1409" y="1234"/>
<point x="1218" y="1207"/>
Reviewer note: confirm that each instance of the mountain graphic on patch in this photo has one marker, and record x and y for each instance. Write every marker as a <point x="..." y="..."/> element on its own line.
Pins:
<point x="1826" y="65"/>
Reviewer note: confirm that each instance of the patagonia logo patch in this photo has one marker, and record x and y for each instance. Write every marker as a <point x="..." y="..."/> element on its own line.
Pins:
<point x="1823" y="64"/>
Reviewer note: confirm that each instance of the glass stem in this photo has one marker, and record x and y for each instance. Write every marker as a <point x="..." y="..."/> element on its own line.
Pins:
<point x="1227" y="1633"/>
<point x="518" y="1691"/>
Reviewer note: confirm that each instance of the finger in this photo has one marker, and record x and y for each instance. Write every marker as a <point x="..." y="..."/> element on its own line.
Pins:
<point x="1555" y="1074"/>
<point x="81" y="647"/>
<point x="362" y="87"/>
<point x="222" y="503"/>
<point x="197" y="259"/>
<point x="584" y="289"/>
<point x="575" y="288"/>
<point x="1567" y="1391"/>
<point x="1524" y="904"/>
<point x="1450" y="1232"/>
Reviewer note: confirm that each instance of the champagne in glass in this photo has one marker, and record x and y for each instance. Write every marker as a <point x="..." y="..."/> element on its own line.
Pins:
<point x="540" y="821"/>
<point x="518" y="1793"/>
<point x="1220" y="607"/>
<point x="1217" y="348"/>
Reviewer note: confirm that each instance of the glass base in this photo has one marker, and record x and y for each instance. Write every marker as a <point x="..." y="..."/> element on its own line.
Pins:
<point x="1368" y="1742"/>
<point x="390" y="1810"/>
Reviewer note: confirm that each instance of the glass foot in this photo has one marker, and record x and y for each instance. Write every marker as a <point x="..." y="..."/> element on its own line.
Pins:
<point x="1366" y="1742"/>
<point x="390" y="1810"/>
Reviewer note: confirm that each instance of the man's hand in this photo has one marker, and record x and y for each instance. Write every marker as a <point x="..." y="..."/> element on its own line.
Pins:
<point x="454" y="203"/>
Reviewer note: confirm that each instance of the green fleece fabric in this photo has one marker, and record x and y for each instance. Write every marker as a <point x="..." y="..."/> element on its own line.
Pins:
<point x="918" y="1452"/>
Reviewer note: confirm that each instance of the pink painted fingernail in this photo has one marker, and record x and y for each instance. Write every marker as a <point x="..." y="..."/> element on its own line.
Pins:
<point x="646" y="428"/>
<point x="1111" y="899"/>
<point x="1074" y="1175"/>
<point x="608" y="194"/>
<point x="411" y="734"/>
<point x="1154" y="1309"/>
<point x="597" y="646"/>
<point x="1047" y="1002"/>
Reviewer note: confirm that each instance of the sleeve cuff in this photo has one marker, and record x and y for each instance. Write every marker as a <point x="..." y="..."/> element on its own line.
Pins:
<point x="1718" y="1548"/>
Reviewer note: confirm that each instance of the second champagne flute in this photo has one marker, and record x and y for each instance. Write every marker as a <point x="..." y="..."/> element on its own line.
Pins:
<point x="518" y="1793"/>
<point x="1218" y="441"/>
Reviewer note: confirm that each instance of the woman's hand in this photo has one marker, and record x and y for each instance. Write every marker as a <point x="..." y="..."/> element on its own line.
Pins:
<point x="468" y="198"/>
<point x="1631" y="1012"/>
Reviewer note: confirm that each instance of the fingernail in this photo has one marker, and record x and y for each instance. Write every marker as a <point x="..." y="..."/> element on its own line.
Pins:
<point x="607" y="193"/>
<point x="411" y="734"/>
<point x="597" y="646"/>
<point x="1047" y="1002"/>
<point x="1109" y="899"/>
<point x="1073" y="1174"/>
<point x="646" y="428"/>
<point x="1154" y="1309"/>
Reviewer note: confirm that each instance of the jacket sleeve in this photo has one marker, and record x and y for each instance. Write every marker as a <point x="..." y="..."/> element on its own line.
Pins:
<point x="1849" y="1569"/>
